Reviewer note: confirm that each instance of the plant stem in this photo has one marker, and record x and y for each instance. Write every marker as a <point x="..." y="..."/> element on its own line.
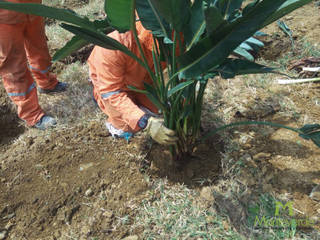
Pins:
<point x="135" y="34"/>
<point x="250" y="123"/>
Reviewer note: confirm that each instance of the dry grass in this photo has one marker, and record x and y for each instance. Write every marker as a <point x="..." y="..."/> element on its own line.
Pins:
<point x="173" y="212"/>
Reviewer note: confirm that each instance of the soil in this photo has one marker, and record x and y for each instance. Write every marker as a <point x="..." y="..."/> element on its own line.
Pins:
<point x="81" y="179"/>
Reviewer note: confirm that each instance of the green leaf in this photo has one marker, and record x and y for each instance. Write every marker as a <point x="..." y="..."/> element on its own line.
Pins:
<point x="152" y="95"/>
<point x="250" y="7"/>
<point x="214" y="19"/>
<point x="120" y="14"/>
<point x="286" y="8"/>
<point x="133" y="88"/>
<point x="254" y="41"/>
<point x="232" y="67"/>
<point x="64" y="15"/>
<point x="175" y="12"/>
<point x="151" y="20"/>
<point x="179" y="87"/>
<point x="196" y="26"/>
<point x="73" y="45"/>
<point x="246" y="46"/>
<point x="286" y="30"/>
<point x="214" y="49"/>
<point x="243" y="53"/>
<point x="311" y="132"/>
<point x="227" y="7"/>
<point x="100" y="39"/>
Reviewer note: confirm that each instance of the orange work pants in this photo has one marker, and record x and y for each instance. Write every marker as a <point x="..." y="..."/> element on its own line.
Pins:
<point x="23" y="53"/>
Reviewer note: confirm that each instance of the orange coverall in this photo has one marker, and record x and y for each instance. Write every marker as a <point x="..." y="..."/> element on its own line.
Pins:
<point x="23" y="53"/>
<point x="112" y="71"/>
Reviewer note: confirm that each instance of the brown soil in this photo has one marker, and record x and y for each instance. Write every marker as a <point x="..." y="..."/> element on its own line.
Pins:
<point x="44" y="182"/>
<point x="10" y="125"/>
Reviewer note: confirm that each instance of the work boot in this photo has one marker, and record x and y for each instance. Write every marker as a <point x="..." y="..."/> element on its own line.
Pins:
<point x="60" y="87"/>
<point x="45" y="122"/>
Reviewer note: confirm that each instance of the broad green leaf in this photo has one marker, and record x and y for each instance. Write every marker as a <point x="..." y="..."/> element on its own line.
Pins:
<point x="120" y="14"/>
<point x="311" y="131"/>
<point x="102" y="24"/>
<point x="73" y="45"/>
<point x="254" y="41"/>
<point x="196" y="25"/>
<point x="214" y="49"/>
<point x="151" y="20"/>
<point x="232" y="67"/>
<point x="101" y="40"/>
<point x="250" y="7"/>
<point x="246" y="46"/>
<point x="243" y="53"/>
<point x="175" y="12"/>
<point x="287" y="7"/>
<point x="64" y="15"/>
<point x="213" y="18"/>
<point x="179" y="87"/>
<point x="227" y="7"/>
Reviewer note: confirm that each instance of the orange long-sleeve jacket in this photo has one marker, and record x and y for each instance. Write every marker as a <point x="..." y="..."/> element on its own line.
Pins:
<point x="112" y="72"/>
<point x="12" y="17"/>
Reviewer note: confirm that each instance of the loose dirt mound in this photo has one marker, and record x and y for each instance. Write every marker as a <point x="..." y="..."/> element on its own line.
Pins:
<point x="47" y="182"/>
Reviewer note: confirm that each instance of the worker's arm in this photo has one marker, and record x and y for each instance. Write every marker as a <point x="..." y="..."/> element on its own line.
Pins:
<point x="110" y="70"/>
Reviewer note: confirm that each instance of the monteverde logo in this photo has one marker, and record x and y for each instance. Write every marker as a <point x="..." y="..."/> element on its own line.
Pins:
<point x="279" y="206"/>
<point x="281" y="220"/>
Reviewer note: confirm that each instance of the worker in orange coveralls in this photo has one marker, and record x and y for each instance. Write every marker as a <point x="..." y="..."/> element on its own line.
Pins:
<point x="24" y="56"/>
<point x="111" y="72"/>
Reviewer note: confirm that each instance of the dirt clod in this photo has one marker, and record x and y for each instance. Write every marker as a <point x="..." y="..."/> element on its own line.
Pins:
<point x="88" y="193"/>
<point x="315" y="194"/>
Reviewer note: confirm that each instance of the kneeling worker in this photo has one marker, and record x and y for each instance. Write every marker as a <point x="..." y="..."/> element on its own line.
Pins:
<point x="128" y="111"/>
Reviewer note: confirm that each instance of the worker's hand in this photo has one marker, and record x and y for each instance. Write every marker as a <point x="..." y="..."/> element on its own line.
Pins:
<point x="159" y="132"/>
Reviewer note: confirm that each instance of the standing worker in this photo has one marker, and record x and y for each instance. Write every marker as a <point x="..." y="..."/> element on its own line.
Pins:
<point x="111" y="72"/>
<point x="24" y="57"/>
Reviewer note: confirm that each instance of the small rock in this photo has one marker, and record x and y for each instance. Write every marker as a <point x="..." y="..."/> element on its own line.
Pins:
<point x="84" y="167"/>
<point x="89" y="193"/>
<point x="133" y="237"/>
<point x="315" y="194"/>
<point x="3" y="180"/>
<point x="206" y="194"/>
<point x="3" y="235"/>
<point x="261" y="156"/>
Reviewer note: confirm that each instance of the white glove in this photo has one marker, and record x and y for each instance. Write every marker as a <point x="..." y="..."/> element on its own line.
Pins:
<point x="159" y="132"/>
